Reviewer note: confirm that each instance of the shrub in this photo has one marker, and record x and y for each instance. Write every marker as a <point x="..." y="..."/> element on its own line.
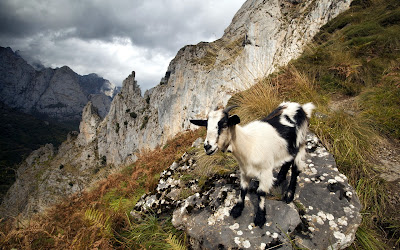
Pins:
<point x="133" y="115"/>
<point x="145" y="121"/>
<point x="117" y="128"/>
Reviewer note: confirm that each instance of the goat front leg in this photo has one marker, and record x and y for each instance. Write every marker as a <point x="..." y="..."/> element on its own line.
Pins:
<point x="289" y="194"/>
<point x="266" y="181"/>
<point x="244" y="187"/>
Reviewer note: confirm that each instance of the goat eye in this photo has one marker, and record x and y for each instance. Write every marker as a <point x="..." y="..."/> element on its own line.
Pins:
<point x="222" y="125"/>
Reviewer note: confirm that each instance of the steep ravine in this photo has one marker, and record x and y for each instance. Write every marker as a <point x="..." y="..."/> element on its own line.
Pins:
<point x="263" y="35"/>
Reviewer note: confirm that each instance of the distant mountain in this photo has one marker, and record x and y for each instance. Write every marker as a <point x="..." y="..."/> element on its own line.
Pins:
<point x="57" y="93"/>
<point x="41" y="105"/>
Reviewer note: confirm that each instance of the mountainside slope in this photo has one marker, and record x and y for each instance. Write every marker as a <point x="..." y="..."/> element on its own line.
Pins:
<point x="20" y="134"/>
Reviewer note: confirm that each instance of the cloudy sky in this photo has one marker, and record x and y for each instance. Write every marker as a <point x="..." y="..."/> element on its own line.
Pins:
<point x="111" y="38"/>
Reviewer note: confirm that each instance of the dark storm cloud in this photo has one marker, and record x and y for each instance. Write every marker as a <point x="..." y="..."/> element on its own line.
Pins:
<point x="77" y="32"/>
<point x="161" y="24"/>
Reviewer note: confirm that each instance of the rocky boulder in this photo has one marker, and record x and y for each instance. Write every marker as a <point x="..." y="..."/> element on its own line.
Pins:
<point x="90" y="122"/>
<point x="324" y="215"/>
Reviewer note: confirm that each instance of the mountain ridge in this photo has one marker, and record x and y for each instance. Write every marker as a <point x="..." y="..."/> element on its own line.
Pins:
<point x="58" y="93"/>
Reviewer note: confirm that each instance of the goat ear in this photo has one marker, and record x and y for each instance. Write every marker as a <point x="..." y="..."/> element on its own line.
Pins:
<point x="233" y="120"/>
<point x="202" y="123"/>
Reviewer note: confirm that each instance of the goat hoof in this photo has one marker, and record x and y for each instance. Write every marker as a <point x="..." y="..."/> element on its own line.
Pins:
<point x="260" y="219"/>
<point x="289" y="196"/>
<point x="237" y="210"/>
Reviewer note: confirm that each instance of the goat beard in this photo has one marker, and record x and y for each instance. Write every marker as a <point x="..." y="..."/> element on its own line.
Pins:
<point x="226" y="148"/>
<point x="212" y="152"/>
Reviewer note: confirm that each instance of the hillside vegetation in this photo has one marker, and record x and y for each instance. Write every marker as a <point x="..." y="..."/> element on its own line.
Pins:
<point x="20" y="134"/>
<point x="351" y="72"/>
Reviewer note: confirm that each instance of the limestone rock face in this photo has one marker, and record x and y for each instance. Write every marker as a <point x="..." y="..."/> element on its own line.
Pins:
<point x="325" y="213"/>
<point x="21" y="191"/>
<point x="45" y="178"/>
<point x="125" y="126"/>
<point x="57" y="93"/>
<point x="90" y="122"/>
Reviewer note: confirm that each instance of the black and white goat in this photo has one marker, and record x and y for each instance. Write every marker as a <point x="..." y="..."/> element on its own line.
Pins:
<point x="260" y="146"/>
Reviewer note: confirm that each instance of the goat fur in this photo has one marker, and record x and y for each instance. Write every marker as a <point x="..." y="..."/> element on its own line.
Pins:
<point x="261" y="146"/>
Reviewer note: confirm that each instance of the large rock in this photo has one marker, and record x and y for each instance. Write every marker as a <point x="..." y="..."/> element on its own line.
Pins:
<point x="90" y="122"/>
<point x="324" y="215"/>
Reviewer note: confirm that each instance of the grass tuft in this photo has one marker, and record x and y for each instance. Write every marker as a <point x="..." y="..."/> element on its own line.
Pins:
<point x="368" y="239"/>
<point x="218" y="163"/>
<point x="150" y="232"/>
<point x="383" y="104"/>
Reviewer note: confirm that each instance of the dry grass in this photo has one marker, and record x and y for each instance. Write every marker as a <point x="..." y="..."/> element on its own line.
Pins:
<point x="98" y="218"/>
<point x="287" y="85"/>
<point x="383" y="102"/>
<point x="348" y="136"/>
<point x="211" y="51"/>
<point x="218" y="163"/>
<point x="353" y="53"/>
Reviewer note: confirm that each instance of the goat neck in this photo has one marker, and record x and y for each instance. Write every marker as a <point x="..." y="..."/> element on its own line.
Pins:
<point x="239" y="144"/>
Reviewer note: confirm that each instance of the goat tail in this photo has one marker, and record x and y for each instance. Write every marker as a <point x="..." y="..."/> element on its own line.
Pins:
<point x="308" y="108"/>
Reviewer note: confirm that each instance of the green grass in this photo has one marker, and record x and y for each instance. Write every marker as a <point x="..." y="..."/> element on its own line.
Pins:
<point x="118" y="200"/>
<point x="151" y="232"/>
<point x="384" y="117"/>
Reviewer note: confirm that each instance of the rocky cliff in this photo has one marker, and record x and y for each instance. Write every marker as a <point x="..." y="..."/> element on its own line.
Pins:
<point x="56" y="93"/>
<point x="263" y="35"/>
